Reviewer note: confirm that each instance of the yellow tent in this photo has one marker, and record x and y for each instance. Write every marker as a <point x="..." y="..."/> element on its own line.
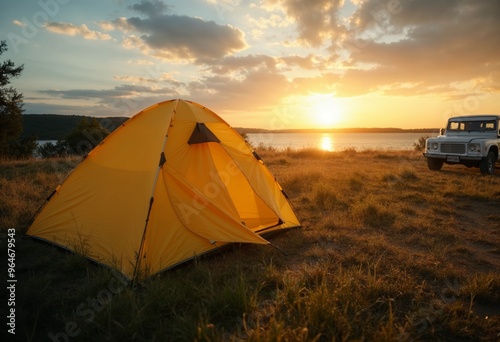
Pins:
<point x="173" y="182"/>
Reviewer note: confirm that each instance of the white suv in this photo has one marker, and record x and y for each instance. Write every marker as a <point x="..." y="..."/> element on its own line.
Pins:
<point x="472" y="140"/>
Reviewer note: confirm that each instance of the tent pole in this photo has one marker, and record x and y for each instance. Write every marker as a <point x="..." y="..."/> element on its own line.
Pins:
<point x="39" y="209"/>
<point x="151" y="200"/>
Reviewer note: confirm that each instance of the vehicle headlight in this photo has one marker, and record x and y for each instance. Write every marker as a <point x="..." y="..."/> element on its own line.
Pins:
<point x="474" y="147"/>
<point x="432" y="145"/>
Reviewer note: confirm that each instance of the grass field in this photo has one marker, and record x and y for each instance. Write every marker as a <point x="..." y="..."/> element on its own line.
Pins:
<point x="388" y="251"/>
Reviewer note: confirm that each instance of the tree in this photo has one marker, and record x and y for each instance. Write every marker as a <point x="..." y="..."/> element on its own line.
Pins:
<point x="11" y="104"/>
<point x="87" y="135"/>
<point x="50" y="150"/>
<point x="23" y="148"/>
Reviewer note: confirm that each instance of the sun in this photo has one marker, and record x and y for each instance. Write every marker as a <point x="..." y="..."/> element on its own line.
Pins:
<point x="325" y="110"/>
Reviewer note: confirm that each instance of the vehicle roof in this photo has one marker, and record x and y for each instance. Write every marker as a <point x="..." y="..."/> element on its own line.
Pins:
<point x="475" y="117"/>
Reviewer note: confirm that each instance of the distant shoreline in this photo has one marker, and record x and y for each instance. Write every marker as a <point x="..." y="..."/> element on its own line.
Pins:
<point x="56" y="127"/>
<point x="337" y="130"/>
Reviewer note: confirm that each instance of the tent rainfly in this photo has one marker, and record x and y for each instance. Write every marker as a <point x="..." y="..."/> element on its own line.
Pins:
<point x="174" y="182"/>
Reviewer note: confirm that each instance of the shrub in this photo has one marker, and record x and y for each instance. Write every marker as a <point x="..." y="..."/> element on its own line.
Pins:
<point x="420" y="144"/>
<point x="87" y="135"/>
<point x="50" y="150"/>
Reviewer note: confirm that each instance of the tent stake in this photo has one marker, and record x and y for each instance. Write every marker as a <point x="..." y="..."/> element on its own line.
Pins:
<point x="279" y="249"/>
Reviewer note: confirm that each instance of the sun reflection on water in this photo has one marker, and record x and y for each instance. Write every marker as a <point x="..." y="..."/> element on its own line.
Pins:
<point x="326" y="143"/>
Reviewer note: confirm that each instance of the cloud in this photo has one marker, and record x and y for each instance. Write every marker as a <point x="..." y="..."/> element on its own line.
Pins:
<point x="65" y="109"/>
<point x="391" y="47"/>
<point x="140" y="62"/>
<point x="106" y="25"/>
<point x="150" y="8"/>
<point x="105" y="95"/>
<point x="161" y="78"/>
<point x="176" y="37"/>
<point x="386" y="45"/>
<point x="119" y="24"/>
<point x="117" y="107"/>
<point x="272" y="20"/>
<point x="242" y="64"/>
<point x="74" y="30"/>
<point x="123" y="100"/>
<point x="18" y="23"/>
<point x="310" y="62"/>
<point x="258" y="89"/>
<point x="136" y="79"/>
<point x="437" y="43"/>
<point x="317" y="20"/>
<point x="183" y="37"/>
<point x="160" y="34"/>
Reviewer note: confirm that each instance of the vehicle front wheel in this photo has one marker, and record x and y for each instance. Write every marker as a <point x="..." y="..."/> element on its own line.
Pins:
<point x="487" y="165"/>
<point x="434" y="164"/>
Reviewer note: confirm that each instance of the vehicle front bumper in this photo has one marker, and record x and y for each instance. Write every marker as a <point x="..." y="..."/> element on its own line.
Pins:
<point x="445" y="156"/>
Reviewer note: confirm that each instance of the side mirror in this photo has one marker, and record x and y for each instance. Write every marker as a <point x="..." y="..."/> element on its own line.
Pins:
<point x="442" y="131"/>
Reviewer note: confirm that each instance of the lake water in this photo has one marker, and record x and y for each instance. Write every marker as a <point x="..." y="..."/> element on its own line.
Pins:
<point x="43" y="142"/>
<point x="337" y="141"/>
<point x="331" y="141"/>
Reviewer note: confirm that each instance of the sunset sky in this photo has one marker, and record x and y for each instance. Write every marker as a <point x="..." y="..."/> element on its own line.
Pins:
<point x="273" y="64"/>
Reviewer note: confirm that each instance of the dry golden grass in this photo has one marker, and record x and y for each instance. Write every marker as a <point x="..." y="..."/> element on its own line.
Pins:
<point x="388" y="251"/>
<point x="25" y="184"/>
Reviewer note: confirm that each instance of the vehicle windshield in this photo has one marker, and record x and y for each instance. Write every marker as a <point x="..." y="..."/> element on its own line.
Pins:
<point x="460" y="126"/>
